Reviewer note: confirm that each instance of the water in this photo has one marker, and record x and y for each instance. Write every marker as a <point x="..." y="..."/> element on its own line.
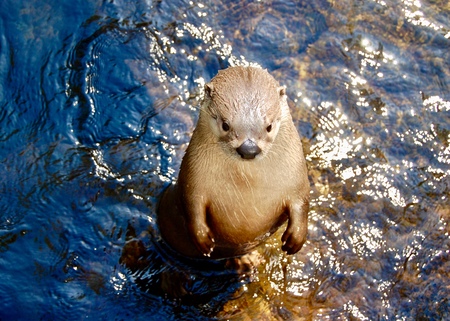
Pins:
<point x="98" y="100"/>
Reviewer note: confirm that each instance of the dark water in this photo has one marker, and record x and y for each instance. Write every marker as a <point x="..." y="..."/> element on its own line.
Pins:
<point x="97" y="103"/>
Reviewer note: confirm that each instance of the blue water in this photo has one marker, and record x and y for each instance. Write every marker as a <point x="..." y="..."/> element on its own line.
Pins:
<point x="97" y="103"/>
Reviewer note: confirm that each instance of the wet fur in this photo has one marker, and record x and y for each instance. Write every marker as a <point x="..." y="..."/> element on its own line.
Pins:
<point x="222" y="205"/>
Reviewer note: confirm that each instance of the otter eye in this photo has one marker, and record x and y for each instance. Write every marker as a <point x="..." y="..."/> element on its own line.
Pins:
<point x="225" y="127"/>
<point x="269" y="128"/>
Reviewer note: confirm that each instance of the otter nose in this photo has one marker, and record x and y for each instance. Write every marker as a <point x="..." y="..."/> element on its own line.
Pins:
<point x="248" y="149"/>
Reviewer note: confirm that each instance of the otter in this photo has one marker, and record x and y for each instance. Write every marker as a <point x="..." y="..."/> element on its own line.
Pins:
<point x="243" y="174"/>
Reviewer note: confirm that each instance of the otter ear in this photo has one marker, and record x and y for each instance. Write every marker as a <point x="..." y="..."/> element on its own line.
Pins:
<point x="281" y="91"/>
<point x="209" y="88"/>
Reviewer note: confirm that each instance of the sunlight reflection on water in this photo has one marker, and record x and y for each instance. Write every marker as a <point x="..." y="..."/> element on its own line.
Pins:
<point x="358" y="160"/>
<point x="369" y="90"/>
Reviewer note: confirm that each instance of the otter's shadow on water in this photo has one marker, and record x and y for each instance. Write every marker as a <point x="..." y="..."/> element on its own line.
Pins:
<point x="204" y="285"/>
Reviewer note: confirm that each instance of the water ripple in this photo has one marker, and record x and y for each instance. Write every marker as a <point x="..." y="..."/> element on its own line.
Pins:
<point x="98" y="102"/>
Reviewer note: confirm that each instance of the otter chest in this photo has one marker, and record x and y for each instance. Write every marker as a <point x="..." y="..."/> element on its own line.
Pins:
<point x="245" y="205"/>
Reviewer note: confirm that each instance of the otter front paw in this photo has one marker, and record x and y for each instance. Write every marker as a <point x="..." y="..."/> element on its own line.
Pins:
<point x="204" y="240"/>
<point x="293" y="239"/>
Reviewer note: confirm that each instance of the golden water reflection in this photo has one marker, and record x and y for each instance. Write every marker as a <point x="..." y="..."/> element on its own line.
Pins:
<point x="377" y="153"/>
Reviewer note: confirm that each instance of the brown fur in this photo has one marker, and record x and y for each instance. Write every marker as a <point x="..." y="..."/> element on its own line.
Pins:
<point x="223" y="205"/>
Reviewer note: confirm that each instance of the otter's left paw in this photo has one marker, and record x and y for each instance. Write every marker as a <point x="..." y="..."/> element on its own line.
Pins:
<point x="293" y="239"/>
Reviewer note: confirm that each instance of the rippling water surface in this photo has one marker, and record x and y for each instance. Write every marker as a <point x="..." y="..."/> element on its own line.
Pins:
<point x="97" y="103"/>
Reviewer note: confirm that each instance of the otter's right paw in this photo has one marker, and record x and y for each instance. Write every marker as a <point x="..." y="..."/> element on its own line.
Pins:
<point x="204" y="240"/>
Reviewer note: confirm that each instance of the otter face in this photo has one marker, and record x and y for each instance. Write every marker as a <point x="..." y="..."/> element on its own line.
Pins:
<point x="243" y="136"/>
<point x="245" y="118"/>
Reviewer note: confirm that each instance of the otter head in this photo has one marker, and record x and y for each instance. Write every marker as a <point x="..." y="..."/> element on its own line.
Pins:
<point x="244" y="107"/>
